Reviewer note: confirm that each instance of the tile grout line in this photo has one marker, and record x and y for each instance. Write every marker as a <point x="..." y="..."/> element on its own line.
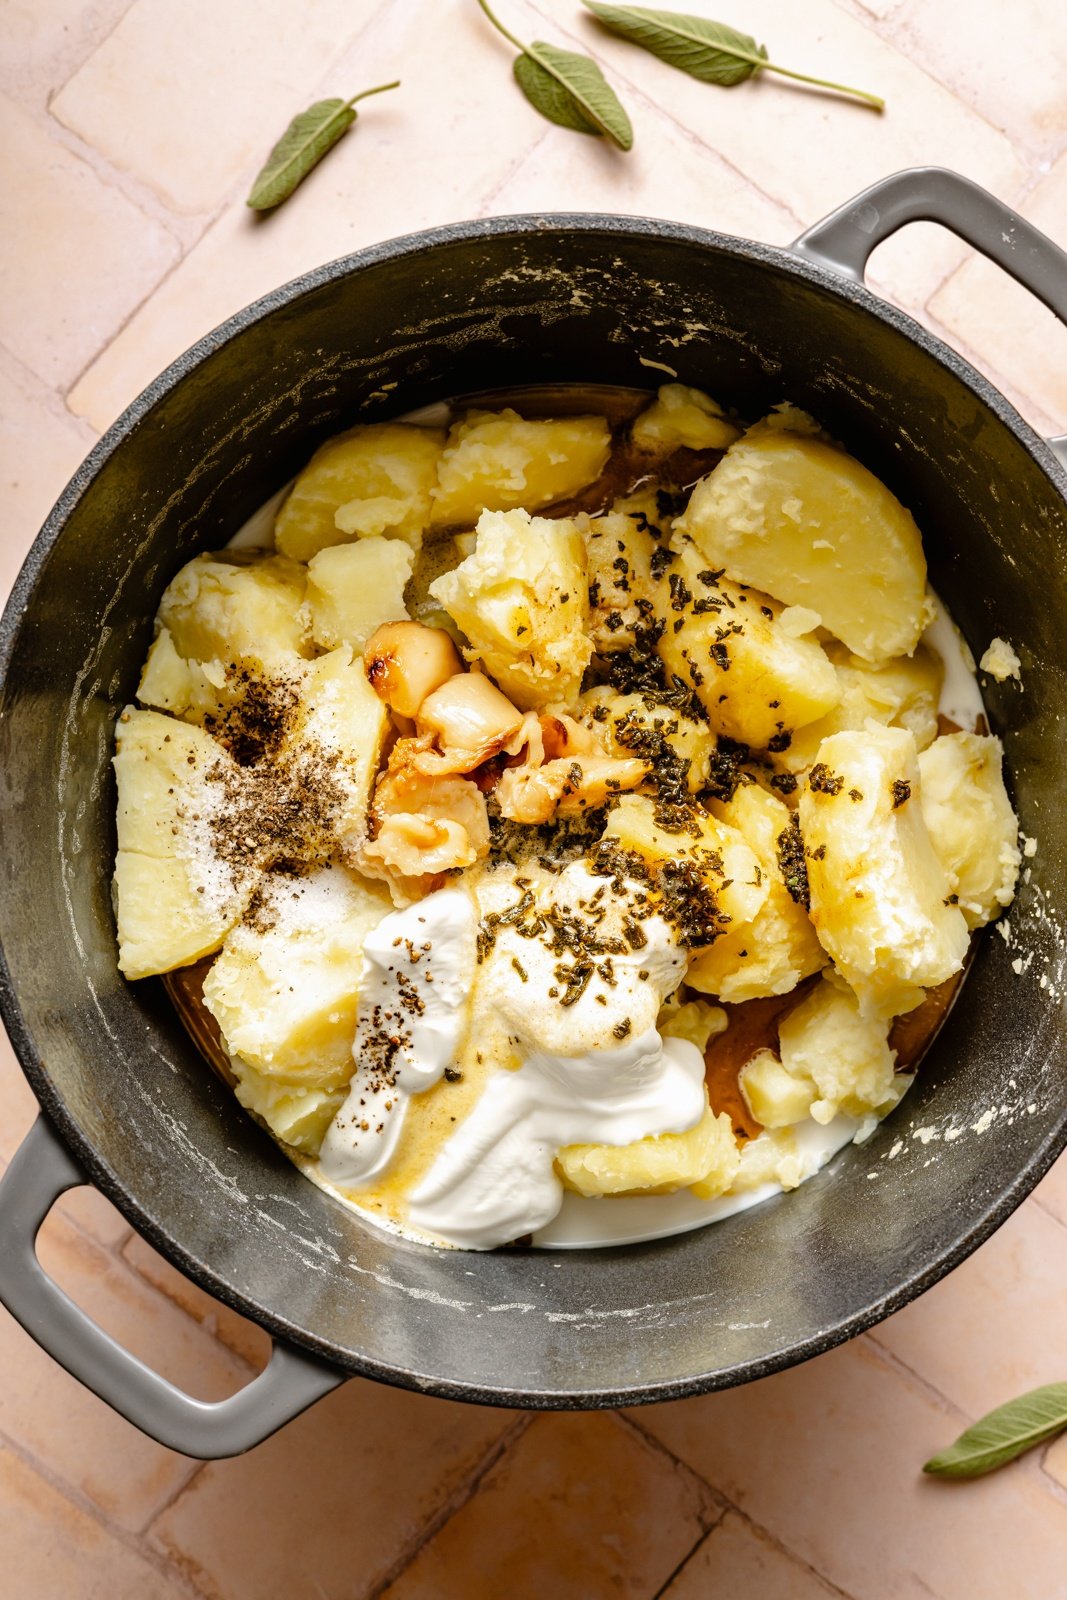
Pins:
<point x="988" y="370"/>
<point x="761" y="1532"/>
<point x="37" y="389"/>
<point x="1029" y="155"/>
<point x="120" y="329"/>
<point x="76" y="1497"/>
<point x="1051" y="1483"/>
<point x="731" y="1505"/>
<point x="890" y="1359"/>
<point x="677" y="1571"/>
<point x="210" y="219"/>
<point x="58" y="87"/>
<point x="512" y="170"/>
<point x="692" y="137"/>
<point x="196" y="1468"/>
<point x="659" y="1448"/>
<point x="1036" y="1199"/>
<point x="114" y="1250"/>
<point x="452" y="1504"/>
<point x="183" y="229"/>
<point x="319" y="90"/>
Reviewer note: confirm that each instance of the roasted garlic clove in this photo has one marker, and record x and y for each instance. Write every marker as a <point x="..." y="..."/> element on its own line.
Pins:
<point x="565" y="788"/>
<point x="411" y="844"/>
<point x="423" y="824"/>
<point x="470" y="718"/>
<point x="406" y="661"/>
<point x="563" y="737"/>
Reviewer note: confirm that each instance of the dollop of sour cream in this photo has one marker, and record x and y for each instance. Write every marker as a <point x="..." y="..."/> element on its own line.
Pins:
<point x="413" y="1000"/>
<point x="588" y="1069"/>
<point x="495" y="1179"/>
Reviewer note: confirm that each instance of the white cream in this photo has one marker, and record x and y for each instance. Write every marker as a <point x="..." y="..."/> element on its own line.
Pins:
<point x="595" y="1071"/>
<point x="495" y="1179"/>
<point x="961" y="698"/>
<point x="417" y="966"/>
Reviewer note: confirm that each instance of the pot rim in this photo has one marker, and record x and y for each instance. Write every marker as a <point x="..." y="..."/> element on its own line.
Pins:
<point x="98" y="1172"/>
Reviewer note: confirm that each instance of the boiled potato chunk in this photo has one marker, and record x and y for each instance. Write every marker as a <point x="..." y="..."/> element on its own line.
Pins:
<point x="773" y="1157"/>
<point x="175" y="899"/>
<point x="619" y="550"/>
<point x="238" y="604"/>
<point x="522" y="601"/>
<point x="294" y="1113"/>
<point x="286" y="998"/>
<point x="880" y="898"/>
<point x="190" y="689"/>
<point x="353" y="588"/>
<point x="694" y="1020"/>
<point x="776" y="949"/>
<point x="239" y="608"/>
<point x="776" y="1097"/>
<point x="828" y="1041"/>
<point x="806" y="523"/>
<point x="756" y="681"/>
<point x="631" y="724"/>
<point x="374" y="480"/>
<point x="336" y="740"/>
<point x="728" y="866"/>
<point x="497" y="461"/>
<point x="972" y="826"/>
<point x="660" y="1164"/>
<point x="681" y="416"/>
<point x="903" y="693"/>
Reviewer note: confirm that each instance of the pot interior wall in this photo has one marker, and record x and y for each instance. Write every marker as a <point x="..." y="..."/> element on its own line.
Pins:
<point x="481" y="309"/>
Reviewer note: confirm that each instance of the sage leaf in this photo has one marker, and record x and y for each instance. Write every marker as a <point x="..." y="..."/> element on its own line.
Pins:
<point x="548" y="96"/>
<point x="1003" y="1434"/>
<point x="567" y="88"/>
<point x="706" y="50"/>
<point x="302" y="146"/>
<point x="710" y="51"/>
<point x="591" y="96"/>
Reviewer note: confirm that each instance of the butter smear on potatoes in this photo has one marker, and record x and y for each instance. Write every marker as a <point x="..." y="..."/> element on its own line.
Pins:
<point x="546" y="835"/>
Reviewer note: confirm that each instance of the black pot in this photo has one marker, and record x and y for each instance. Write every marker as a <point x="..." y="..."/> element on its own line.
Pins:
<point x="130" y="1105"/>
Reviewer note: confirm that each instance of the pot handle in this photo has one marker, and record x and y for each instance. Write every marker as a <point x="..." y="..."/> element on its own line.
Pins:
<point x="41" y="1170"/>
<point x="846" y="238"/>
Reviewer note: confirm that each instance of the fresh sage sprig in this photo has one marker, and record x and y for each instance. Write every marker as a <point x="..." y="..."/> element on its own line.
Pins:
<point x="1032" y="1419"/>
<point x="710" y="51"/>
<point x="567" y="88"/>
<point x="302" y="146"/>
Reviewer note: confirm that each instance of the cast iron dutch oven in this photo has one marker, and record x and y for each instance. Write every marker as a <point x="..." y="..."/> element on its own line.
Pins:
<point x="127" y="1102"/>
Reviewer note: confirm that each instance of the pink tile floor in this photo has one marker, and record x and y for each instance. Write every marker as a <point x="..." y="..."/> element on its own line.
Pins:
<point x="128" y="135"/>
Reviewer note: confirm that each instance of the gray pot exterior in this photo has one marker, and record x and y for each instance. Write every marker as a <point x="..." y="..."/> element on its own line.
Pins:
<point x="504" y="303"/>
